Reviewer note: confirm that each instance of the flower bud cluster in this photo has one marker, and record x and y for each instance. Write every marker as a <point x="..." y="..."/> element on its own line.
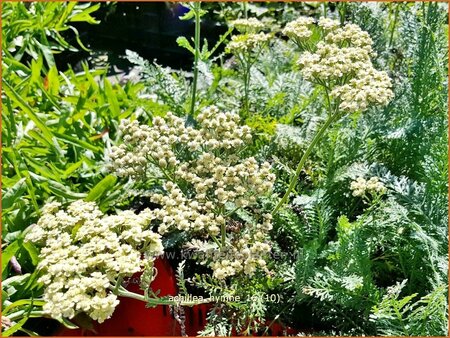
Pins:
<point x="299" y="29"/>
<point x="203" y="182"/>
<point x="247" y="254"/>
<point x="342" y="61"/>
<point x="84" y="251"/>
<point x="349" y="35"/>
<point x="247" y="43"/>
<point x="370" y="86"/>
<point x="214" y="182"/>
<point x="250" y="25"/>
<point x="222" y="130"/>
<point x="361" y="186"/>
<point x="330" y="63"/>
<point x="144" y="146"/>
<point x="328" y="24"/>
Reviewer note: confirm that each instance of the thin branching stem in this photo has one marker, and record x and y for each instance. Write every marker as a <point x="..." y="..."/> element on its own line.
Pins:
<point x="331" y="118"/>
<point x="197" y="8"/>
<point x="158" y="301"/>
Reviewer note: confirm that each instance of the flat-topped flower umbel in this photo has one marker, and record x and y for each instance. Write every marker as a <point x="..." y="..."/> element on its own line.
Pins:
<point x="85" y="251"/>
<point x="204" y="184"/>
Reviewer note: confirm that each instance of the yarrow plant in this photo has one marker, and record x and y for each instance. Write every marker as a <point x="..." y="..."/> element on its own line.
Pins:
<point x="341" y="61"/>
<point x="361" y="186"/>
<point x="337" y="59"/>
<point x="205" y="184"/>
<point x="299" y="30"/>
<point x="250" y="25"/>
<point x="247" y="47"/>
<point x="85" y="253"/>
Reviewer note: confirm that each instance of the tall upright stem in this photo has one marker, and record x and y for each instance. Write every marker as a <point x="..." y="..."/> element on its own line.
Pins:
<point x="197" y="7"/>
<point x="343" y="12"/>
<point x="247" y="68"/>
<point x="301" y="164"/>
<point x="394" y="23"/>
<point x="223" y="231"/>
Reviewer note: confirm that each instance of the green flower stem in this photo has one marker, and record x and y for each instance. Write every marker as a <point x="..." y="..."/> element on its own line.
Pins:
<point x="301" y="164"/>
<point x="158" y="301"/>
<point x="228" y="214"/>
<point x="197" y="7"/>
<point x="327" y="96"/>
<point x="247" y="68"/>
<point x="247" y="62"/>
<point x="394" y="23"/>
<point x="223" y="231"/>
<point x="118" y="284"/>
<point x="214" y="239"/>
<point x="24" y="313"/>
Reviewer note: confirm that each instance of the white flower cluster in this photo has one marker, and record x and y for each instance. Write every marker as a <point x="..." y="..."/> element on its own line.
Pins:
<point x="330" y="63"/>
<point x="370" y="86"/>
<point x="328" y="24"/>
<point x="144" y="145"/>
<point x="247" y="254"/>
<point x="300" y="29"/>
<point x="84" y="251"/>
<point x="250" y="25"/>
<point x="350" y="34"/>
<point x="214" y="182"/>
<point x="247" y="43"/>
<point x="204" y="178"/>
<point x="360" y="186"/>
<point x="155" y="145"/>
<point x="222" y="130"/>
<point x="342" y="61"/>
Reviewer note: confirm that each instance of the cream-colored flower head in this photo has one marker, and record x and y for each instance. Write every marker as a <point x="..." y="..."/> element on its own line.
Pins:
<point x="361" y="186"/>
<point x="299" y="29"/>
<point x="84" y="251"/>
<point x="328" y="24"/>
<point x="352" y="35"/>
<point x="250" y="25"/>
<point x="369" y="87"/>
<point x="200" y="189"/>
<point x="341" y="60"/>
<point x="331" y="63"/>
<point x="247" y="43"/>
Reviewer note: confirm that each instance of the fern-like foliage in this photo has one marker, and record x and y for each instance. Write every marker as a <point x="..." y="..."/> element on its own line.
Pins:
<point x="169" y="85"/>
<point x="398" y="315"/>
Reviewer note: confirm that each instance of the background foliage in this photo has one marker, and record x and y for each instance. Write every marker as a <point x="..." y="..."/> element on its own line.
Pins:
<point x="345" y="266"/>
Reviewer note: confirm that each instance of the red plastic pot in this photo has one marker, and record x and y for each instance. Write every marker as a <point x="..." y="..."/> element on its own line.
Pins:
<point x="277" y="329"/>
<point x="196" y="318"/>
